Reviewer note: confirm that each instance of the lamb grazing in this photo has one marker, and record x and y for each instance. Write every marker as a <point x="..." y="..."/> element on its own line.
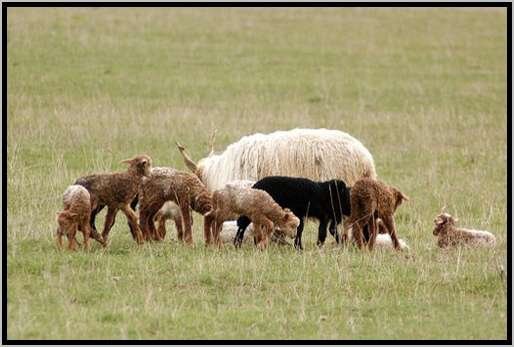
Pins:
<point x="325" y="201"/>
<point x="317" y="154"/>
<point x="258" y="205"/>
<point x="449" y="235"/>
<point x="75" y="215"/>
<point x="170" y="210"/>
<point x="183" y="188"/>
<point x="383" y="240"/>
<point x="372" y="199"/>
<point x="116" y="191"/>
<point x="229" y="231"/>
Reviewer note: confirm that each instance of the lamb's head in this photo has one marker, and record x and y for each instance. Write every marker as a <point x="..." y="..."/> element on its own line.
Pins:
<point x="141" y="165"/>
<point x="442" y="222"/>
<point x="398" y="197"/>
<point x="67" y="221"/>
<point x="288" y="223"/>
<point x="339" y="197"/>
<point x="202" y="203"/>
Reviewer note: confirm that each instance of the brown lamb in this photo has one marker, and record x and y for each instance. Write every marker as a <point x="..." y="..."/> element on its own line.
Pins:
<point x="183" y="188"/>
<point x="116" y="191"/>
<point x="371" y="199"/>
<point x="75" y="215"/>
<point x="258" y="206"/>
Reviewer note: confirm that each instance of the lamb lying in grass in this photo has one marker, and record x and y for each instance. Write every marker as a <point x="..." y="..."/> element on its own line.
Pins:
<point x="75" y="215"/>
<point x="383" y="239"/>
<point x="449" y="235"/>
<point x="229" y="231"/>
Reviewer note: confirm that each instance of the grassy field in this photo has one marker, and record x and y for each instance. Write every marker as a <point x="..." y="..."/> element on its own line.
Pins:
<point x="423" y="89"/>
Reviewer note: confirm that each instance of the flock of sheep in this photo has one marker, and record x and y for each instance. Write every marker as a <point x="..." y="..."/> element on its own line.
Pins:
<point x="264" y="185"/>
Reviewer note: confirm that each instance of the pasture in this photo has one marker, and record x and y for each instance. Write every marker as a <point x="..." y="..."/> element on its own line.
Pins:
<point x="423" y="89"/>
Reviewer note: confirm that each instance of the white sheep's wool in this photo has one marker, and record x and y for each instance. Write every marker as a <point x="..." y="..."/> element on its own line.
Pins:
<point x="317" y="154"/>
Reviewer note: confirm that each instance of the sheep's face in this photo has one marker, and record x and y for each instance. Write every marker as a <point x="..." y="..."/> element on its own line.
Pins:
<point x="399" y="197"/>
<point x="67" y="221"/>
<point x="141" y="164"/>
<point x="289" y="223"/>
<point x="442" y="221"/>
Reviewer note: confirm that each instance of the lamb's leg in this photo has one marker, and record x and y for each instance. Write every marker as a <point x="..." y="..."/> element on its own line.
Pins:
<point x="146" y="218"/>
<point x="94" y="232"/>
<point x="86" y="232"/>
<point x="178" y="226"/>
<point x="357" y="233"/>
<point x="58" y="238"/>
<point x="242" y="224"/>
<point x="298" y="238"/>
<point x="186" y="222"/>
<point x="160" y="219"/>
<point x="372" y="232"/>
<point x="266" y="227"/>
<point x="322" y="232"/>
<point x="72" y="245"/>
<point x="333" y="230"/>
<point x="133" y="205"/>
<point x="132" y="219"/>
<point x="109" y="222"/>
<point x="208" y="225"/>
<point x="391" y="228"/>
<point x="216" y="236"/>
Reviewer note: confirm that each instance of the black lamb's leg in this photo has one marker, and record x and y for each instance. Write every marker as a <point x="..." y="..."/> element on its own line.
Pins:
<point x="242" y="223"/>
<point x="333" y="230"/>
<point x="298" y="238"/>
<point x="322" y="232"/>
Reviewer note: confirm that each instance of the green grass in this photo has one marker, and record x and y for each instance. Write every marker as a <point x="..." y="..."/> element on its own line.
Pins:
<point x="423" y="89"/>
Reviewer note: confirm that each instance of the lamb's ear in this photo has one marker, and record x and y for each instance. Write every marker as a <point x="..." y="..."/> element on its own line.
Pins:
<point x="127" y="161"/>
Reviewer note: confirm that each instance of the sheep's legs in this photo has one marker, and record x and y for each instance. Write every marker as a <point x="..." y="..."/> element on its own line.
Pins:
<point x="298" y="238"/>
<point x="208" y="225"/>
<point x="160" y="218"/>
<point x="186" y="221"/>
<point x="94" y="232"/>
<point x="132" y="219"/>
<point x="110" y="218"/>
<point x="333" y="230"/>
<point x="322" y="232"/>
<point x="58" y="238"/>
<point x="389" y="225"/>
<point x="133" y="205"/>
<point x="372" y="232"/>
<point x="178" y="226"/>
<point x="357" y="234"/>
<point x="86" y="232"/>
<point x="242" y="224"/>
<point x="266" y="228"/>
<point x="72" y="245"/>
<point x="146" y="219"/>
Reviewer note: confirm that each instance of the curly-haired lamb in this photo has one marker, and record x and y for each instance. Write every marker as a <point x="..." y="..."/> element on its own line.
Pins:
<point x="372" y="199"/>
<point x="258" y="205"/>
<point x="116" y="191"/>
<point x="450" y="235"/>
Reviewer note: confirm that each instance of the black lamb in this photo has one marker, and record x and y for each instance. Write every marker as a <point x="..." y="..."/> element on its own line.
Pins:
<point x="325" y="201"/>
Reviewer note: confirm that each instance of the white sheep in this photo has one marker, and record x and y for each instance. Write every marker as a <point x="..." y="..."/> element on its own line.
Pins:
<point x="317" y="154"/>
<point x="450" y="235"/>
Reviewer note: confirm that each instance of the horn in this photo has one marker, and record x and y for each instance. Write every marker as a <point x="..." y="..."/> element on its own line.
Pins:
<point x="187" y="159"/>
<point x="211" y="141"/>
<point x="126" y="161"/>
<point x="443" y="209"/>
